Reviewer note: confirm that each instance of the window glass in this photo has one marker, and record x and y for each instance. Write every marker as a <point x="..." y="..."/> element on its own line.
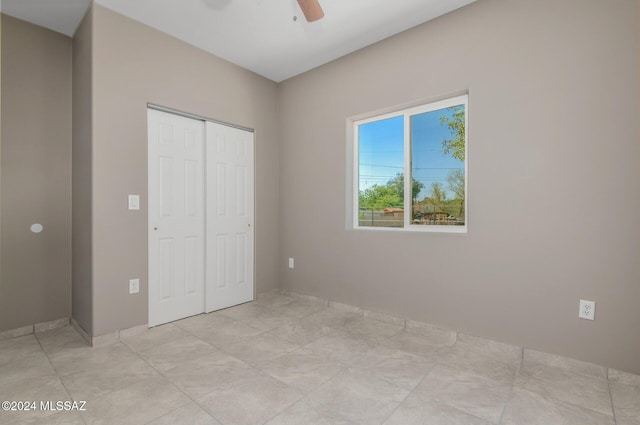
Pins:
<point x="381" y="169"/>
<point x="437" y="167"/>
<point x="427" y="144"/>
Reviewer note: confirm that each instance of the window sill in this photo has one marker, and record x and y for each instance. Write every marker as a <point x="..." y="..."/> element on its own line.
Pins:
<point x="453" y="230"/>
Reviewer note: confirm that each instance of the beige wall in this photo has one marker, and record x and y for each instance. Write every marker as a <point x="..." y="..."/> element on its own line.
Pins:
<point x="132" y="65"/>
<point x="0" y="149"/>
<point x="554" y="189"/>
<point x="35" y="281"/>
<point x="82" y="178"/>
<point x="553" y="153"/>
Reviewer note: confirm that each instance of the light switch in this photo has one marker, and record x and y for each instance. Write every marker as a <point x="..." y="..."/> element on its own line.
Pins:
<point x="134" y="202"/>
<point x="134" y="286"/>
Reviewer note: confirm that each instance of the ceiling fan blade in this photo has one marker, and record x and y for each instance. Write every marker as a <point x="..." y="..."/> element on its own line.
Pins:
<point x="311" y="9"/>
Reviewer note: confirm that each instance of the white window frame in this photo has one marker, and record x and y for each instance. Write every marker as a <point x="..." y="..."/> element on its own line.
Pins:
<point x="407" y="113"/>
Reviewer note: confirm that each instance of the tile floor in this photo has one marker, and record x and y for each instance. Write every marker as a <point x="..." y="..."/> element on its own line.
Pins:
<point x="287" y="361"/>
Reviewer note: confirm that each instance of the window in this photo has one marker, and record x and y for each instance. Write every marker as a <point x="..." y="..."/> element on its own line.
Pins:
<point x="426" y="144"/>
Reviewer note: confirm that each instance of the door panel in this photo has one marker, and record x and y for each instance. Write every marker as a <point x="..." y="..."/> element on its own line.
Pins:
<point x="230" y="219"/>
<point x="176" y="217"/>
<point x="201" y="241"/>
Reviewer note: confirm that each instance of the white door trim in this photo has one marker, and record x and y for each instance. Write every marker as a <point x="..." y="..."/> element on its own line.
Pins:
<point x="197" y="117"/>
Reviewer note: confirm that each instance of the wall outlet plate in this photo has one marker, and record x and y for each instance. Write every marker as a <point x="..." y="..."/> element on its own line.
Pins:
<point x="134" y="202"/>
<point x="587" y="310"/>
<point x="134" y="286"/>
<point x="290" y="263"/>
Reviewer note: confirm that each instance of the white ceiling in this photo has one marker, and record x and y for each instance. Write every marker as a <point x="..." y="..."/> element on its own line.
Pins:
<point x="58" y="15"/>
<point x="260" y="35"/>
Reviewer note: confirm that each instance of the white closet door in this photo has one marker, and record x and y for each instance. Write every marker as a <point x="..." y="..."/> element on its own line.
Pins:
<point x="229" y="206"/>
<point x="176" y="217"/>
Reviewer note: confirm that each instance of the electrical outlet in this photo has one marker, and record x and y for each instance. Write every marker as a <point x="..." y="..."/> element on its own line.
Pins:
<point x="134" y="286"/>
<point x="587" y="310"/>
<point x="290" y="263"/>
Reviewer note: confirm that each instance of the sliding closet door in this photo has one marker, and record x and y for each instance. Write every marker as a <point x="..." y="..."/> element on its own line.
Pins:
<point x="176" y="217"/>
<point x="230" y="220"/>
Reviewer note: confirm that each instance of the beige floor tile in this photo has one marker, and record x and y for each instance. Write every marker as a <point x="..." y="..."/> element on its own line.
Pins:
<point x="60" y="340"/>
<point x="85" y="358"/>
<point x="476" y="395"/>
<point x="418" y="409"/>
<point x="358" y="397"/>
<point x="33" y="365"/>
<point x="529" y="408"/>
<point x="416" y="344"/>
<point x="570" y="365"/>
<point x="586" y="391"/>
<point x="311" y="299"/>
<point x="89" y="384"/>
<point x="33" y="390"/>
<point x="373" y="330"/>
<point x="61" y="418"/>
<point x="384" y="317"/>
<point x="153" y="337"/>
<point x="174" y="353"/>
<point x="259" y="349"/>
<point x="626" y="402"/>
<point x="199" y="377"/>
<point x="234" y="332"/>
<point x="273" y="300"/>
<point x="301" y="331"/>
<point x="333" y="317"/>
<point x="434" y="334"/>
<point x="290" y="361"/>
<point x="298" y="309"/>
<point x="624" y="378"/>
<point x="26" y="387"/>
<point x="112" y="337"/>
<point x="201" y="324"/>
<point x="17" y="348"/>
<point x="252" y="400"/>
<point x="256" y="316"/>
<point x="502" y="351"/>
<point x="190" y="414"/>
<point x="346" y="307"/>
<point x="217" y="329"/>
<point x="403" y="369"/>
<point x="493" y="360"/>
<point x="303" y="369"/>
<point x="137" y="404"/>
<point x="302" y="412"/>
<point x="341" y="347"/>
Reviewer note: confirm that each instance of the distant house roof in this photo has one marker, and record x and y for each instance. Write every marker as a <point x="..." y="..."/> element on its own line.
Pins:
<point x="393" y="210"/>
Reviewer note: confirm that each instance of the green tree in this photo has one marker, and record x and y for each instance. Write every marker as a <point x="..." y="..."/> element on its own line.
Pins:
<point x="455" y="183"/>
<point x="398" y="185"/>
<point x="456" y="124"/>
<point x="389" y="195"/>
<point x="380" y="197"/>
<point x="438" y="195"/>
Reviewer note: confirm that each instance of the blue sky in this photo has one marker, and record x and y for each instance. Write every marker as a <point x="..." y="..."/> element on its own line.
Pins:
<point x="381" y="151"/>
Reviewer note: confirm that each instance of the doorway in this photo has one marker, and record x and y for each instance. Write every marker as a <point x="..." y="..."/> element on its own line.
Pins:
<point x="201" y="211"/>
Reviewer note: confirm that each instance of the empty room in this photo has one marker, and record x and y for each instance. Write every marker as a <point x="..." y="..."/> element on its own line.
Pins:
<point x="320" y="212"/>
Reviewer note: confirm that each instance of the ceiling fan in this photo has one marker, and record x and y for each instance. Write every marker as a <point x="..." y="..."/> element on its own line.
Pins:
<point x="311" y="9"/>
